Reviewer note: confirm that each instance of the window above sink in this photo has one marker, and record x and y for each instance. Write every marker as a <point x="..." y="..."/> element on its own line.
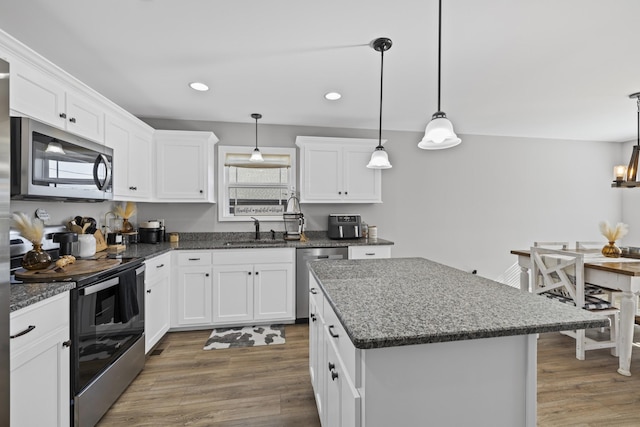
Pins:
<point x="259" y="190"/>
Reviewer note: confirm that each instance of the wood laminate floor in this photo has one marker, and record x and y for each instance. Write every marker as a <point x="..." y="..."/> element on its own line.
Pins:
<point x="269" y="386"/>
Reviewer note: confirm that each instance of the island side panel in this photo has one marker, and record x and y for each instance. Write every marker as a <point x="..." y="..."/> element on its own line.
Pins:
<point x="482" y="382"/>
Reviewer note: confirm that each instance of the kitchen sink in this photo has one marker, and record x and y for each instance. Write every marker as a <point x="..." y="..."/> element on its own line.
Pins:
<point x="261" y="242"/>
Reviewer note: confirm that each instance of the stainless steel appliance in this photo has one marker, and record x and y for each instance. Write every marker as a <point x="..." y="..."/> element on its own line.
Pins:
<point x="303" y="256"/>
<point x="107" y="330"/>
<point x="50" y="163"/>
<point x="107" y="339"/>
<point x="345" y="226"/>
<point x="4" y="242"/>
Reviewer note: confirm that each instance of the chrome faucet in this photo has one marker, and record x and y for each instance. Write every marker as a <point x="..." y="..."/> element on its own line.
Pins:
<point x="257" y="224"/>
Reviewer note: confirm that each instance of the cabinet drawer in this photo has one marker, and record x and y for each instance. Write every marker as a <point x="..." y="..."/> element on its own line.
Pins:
<point x="194" y="258"/>
<point x="336" y="333"/>
<point x="157" y="266"/>
<point x="366" y="252"/>
<point x="39" y="319"/>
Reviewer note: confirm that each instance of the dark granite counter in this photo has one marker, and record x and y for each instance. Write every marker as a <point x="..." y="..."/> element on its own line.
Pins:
<point x="204" y="241"/>
<point x="402" y="301"/>
<point x="23" y="295"/>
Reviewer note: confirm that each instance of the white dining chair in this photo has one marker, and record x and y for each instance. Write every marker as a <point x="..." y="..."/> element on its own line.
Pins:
<point x="559" y="275"/>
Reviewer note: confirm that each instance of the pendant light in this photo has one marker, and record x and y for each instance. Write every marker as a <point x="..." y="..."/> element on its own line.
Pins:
<point x="632" y="170"/>
<point x="379" y="158"/>
<point x="439" y="133"/>
<point x="256" y="155"/>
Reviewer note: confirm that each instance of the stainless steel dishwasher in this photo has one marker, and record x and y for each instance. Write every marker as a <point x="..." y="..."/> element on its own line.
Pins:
<point x="302" y="274"/>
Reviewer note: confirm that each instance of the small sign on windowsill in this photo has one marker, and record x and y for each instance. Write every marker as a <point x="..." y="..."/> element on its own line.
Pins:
<point x="258" y="210"/>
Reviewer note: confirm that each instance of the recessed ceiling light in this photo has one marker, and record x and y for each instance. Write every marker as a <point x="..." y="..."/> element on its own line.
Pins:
<point x="201" y="87"/>
<point x="332" y="96"/>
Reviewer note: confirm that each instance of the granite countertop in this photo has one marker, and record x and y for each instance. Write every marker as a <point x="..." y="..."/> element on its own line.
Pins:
<point x="403" y="301"/>
<point x="205" y="241"/>
<point x="25" y="294"/>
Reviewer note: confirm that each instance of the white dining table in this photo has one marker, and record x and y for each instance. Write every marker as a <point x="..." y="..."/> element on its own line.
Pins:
<point x="620" y="274"/>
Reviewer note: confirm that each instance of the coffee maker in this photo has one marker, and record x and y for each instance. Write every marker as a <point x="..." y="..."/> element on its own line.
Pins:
<point x="293" y="219"/>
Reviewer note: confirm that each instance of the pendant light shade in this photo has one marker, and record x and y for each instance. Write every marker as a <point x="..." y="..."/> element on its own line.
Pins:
<point x="379" y="158"/>
<point x="439" y="133"/>
<point x="256" y="155"/>
<point x="631" y="176"/>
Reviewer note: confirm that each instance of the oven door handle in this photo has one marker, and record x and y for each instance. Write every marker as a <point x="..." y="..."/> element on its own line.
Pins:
<point x="100" y="286"/>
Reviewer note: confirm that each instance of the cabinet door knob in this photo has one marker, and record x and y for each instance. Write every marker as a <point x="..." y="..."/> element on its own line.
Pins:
<point x="148" y="291"/>
<point x="249" y="273"/>
<point x="67" y="343"/>
<point x="63" y="115"/>
<point x="313" y="291"/>
<point x="334" y="375"/>
<point x="257" y="272"/>
<point x="339" y="192"/>
<point x="72" y="119"/>
<point x="332" y="366"/>
<point x="313" y="317"/>
<point x="201" y="191"/>
<point x="206" y="275"/>
<point x="346" y="192"/>
<point x="332" y="333"/>
<point x="24" y="332"/>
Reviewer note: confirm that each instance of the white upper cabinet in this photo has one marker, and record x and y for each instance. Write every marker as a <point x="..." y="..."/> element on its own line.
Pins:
<point x="184" y="166"/>
<point x="131" y="141"/>
<point x="334" y="170"/>
<point x="36" y="94"/>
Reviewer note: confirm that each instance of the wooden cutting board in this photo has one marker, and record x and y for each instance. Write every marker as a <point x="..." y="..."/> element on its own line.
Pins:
<point x="81" y="267"/>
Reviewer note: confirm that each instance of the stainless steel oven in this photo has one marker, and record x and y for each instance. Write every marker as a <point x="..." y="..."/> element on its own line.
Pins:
<point x="50" y="163"/>
<point x="107" y="321"/>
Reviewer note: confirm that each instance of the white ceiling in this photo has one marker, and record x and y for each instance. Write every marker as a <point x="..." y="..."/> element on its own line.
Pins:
<point x="537" y="68"/>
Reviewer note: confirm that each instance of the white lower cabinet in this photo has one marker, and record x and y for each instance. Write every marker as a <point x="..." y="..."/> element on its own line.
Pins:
<point x="253" y="286"/>
<point x="192" y="290"/>
<point x="333" y="365"/>
<point x="40" y="363"/>
<point x="157" y="283"/>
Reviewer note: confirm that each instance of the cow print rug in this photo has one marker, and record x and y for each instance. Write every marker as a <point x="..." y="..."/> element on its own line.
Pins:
<point x="248" y="336"/>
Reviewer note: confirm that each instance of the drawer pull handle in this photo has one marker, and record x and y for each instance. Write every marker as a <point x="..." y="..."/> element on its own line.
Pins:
<point x="313" y="317"/>
<point x="194" y="259"/>
<point x="370" y="253"/>
<point x="67" y="343"/>
<point x="160" y="266"/>
<point x="26" y="331"/>
<point x="333" y="334"/>
<point x="313" y="291"/>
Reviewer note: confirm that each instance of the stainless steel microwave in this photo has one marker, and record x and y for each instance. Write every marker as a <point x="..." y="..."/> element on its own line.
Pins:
<point x="49" y="163"/>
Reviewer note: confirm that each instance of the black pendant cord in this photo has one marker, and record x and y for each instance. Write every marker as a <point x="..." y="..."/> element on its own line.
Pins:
<point x="256" y="134"/>
<point x="638" y="121"/>
<point x="380" y="119"/>
<point x="439" y="47"/>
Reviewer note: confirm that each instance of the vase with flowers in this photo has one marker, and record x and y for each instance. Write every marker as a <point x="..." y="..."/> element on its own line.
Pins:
<point x="612" y="234"/>
<point x="32" y="230"/>
<point x="125" y="213"/>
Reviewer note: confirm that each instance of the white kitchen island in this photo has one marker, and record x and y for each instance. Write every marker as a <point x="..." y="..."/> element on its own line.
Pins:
<point x="410" y="342"/>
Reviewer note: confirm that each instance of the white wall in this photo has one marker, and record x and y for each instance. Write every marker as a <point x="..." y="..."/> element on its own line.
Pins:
<point x="467" y="206"/>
